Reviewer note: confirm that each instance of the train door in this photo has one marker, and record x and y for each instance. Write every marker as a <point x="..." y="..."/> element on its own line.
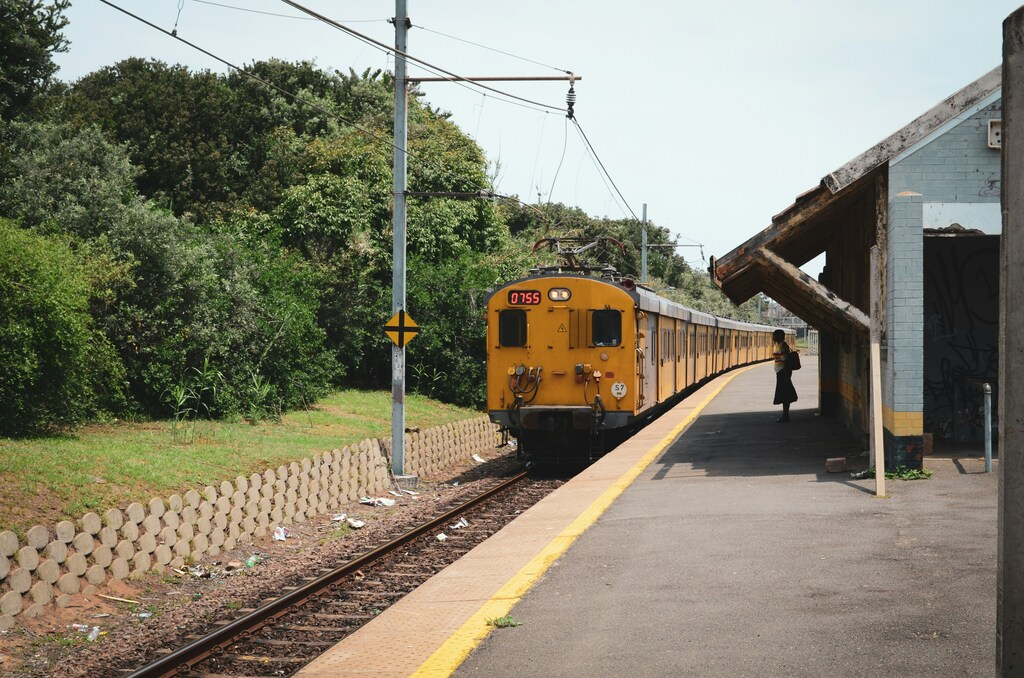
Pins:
<point x="654" y="349"/>
<point x="666" y="358"/>
<point x="691" y="354"/>
<point x="680" y="355"/>
<point x="642" y="343"/>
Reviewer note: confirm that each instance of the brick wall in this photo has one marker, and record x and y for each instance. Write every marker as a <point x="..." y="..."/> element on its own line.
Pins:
<point x="956" y="166"/>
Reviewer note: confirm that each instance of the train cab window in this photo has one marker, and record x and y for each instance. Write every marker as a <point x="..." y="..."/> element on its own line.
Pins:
<point x="512" y="327"/>
<point x="606" y="327"/>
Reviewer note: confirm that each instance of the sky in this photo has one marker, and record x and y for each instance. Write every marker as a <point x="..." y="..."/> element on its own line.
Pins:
<point x="714" y="115"/>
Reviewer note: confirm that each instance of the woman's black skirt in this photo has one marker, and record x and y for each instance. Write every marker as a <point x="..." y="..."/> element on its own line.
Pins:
<point x="784" y="391"/>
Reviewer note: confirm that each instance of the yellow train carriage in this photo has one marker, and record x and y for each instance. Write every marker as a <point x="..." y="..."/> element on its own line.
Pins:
<point x="572" y="358"/>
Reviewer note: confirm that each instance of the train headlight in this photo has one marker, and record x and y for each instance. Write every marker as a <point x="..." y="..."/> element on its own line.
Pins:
<point x="559" y="294"/>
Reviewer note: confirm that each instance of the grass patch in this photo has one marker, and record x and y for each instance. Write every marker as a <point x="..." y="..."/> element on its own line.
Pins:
<point x="506" y="622"/>
<point x="900" y="473"/>
<point x="46" y="479"/>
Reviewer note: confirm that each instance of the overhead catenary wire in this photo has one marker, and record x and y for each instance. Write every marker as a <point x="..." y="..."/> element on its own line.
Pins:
<point x="493" y="49"/>
<point x="283" y="16"/>
<point x="425" y="64"/>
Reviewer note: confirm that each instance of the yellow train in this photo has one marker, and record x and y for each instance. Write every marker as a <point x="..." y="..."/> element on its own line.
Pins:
<point x="576" y="361"/>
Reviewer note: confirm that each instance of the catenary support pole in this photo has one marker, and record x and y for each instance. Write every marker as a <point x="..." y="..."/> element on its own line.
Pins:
<point x="1010" y="559"/>
<point x="877" y="439"/>
<point x="398" y="243"/>
<point x="643" y="247"/>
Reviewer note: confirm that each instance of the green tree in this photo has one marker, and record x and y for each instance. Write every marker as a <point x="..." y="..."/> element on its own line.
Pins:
<point x="30" y="32"/>
<point x="57" y="369"/>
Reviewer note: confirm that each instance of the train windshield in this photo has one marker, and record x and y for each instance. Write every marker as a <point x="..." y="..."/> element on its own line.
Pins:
<point x="512" y="327"/>
<point x="606" y="328"/>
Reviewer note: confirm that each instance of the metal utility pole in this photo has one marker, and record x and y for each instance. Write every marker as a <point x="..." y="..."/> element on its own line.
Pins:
<point x="643" y="246"/>
<point x="877" y="439"/>
<point x="401" y="22"/>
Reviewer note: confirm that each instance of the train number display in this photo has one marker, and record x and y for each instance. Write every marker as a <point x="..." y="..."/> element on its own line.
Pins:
<point x="523" y="297"/>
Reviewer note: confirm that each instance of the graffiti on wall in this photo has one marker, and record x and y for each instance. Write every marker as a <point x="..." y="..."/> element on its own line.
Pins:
<point x="961" y="333"/>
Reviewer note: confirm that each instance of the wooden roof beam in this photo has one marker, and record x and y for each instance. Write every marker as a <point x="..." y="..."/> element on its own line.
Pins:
<point x="823" y="301"/>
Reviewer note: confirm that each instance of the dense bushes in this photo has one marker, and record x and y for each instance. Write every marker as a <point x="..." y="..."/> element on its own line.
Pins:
<point x="58" y="369"/>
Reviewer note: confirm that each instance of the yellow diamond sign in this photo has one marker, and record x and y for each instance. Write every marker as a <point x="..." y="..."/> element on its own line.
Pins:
<point x="401" y="329"/>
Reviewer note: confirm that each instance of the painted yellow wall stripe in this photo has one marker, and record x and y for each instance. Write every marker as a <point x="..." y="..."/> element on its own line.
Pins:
<point x="454" y="651"/>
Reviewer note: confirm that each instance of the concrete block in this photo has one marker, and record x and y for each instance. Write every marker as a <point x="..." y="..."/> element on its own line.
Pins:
<point x="63" y="600"/>
<point x="174" y="503"/>
<point x="235" y="515"/>
<point x="19" y="581"/>
<point x="6" y="623"/>
<point x="177" y="563"/>
<point x="34" y="610"/>
<point x="141" y="562"/>
<point x="90" y="590"/>
<point x="210" y="493"/>
<point x="76" y="564"/>
<point x="248" y="525"/>
<point x="103" y="555"/>
<point x="65" y="530"/>
<point x="260" y="532"/>
<point x="186" y="532"/>
<point x="189" y="515"/>
<point x="96" y="575"/>
<point x="207" y="509"/>
<point x="168" y="535"/>
<point x="229" y="543"/>
<point x="200" y="544"/>
<point x="213" y="550"/>
<point x="42" y="592"/>
<point x="56" y="550"/>
<point x="108" y="536"/>
<point x="130" y="531"/>
<point x="37" y="537"/>
<point x="241" y="484"/>
<point x="5" y="567"/>
<point x="238" y="498"/>
<point x="137" y="574"/>
<point x="48" y="571"/>
<point x="220" y="521"/>
<point x="225" y="489"/>
<point x="193" y="499"/>
<point x="147" y="543"/>
<point x="244" y="538"/>
<point x="163" y="554"/>
<point x="83" y="543"/>
<point x="171" y="519"/>
<point x="223" y="504"/>
<point x="124" y="549"/>
<point x="233" y="531"/>
<point x="11" y="604"/>
<point x="27" y="558"/>
<point x="135" y="512"/>
<point x="255" y="481"/>
<point x="69" y="583"/>
<point x="120" y="568"/>
<point x="269" y="476"/>
<point x="151" y="525"/>
<point x="91" y="523"/>
<point x="204" y="526"/>
<point x="182" y="548"/>
<point x="835" y="464"/>
<point x="217" y="537"/>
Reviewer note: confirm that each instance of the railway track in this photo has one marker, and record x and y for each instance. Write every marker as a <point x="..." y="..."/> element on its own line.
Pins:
<point x="283" y="634"/>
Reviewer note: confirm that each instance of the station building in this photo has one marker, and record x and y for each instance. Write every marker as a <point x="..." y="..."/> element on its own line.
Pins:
<point x="928" y="197"/>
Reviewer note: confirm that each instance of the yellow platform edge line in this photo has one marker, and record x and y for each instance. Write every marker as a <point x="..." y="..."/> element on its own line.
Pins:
<point x="447" y="658"/>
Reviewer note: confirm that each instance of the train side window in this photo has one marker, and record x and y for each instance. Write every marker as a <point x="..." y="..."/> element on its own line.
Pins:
<point x="512" y="327"/>
<point x="606" y="327"/>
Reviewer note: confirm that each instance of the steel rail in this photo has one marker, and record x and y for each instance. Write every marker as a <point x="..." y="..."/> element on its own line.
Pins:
<point x="185" y="658"/>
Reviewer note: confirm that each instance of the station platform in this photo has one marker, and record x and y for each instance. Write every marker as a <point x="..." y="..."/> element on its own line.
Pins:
<point x="714" y="543"/>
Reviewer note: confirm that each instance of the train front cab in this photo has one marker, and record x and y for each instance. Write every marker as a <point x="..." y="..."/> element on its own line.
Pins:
<point x="545" y="354"/>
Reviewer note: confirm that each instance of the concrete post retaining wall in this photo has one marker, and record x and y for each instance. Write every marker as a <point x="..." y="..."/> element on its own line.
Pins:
<point x="51" y="564"/>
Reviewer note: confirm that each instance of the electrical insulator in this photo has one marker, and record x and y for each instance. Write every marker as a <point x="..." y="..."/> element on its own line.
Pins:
<point x="570" y="101"/>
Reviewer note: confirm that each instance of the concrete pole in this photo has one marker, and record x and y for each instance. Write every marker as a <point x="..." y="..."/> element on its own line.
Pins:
<point x="398" y="241"/>
<point x="877" y="439"/>
<point x="643" y="247"/>
<point x="1010" y="567"/>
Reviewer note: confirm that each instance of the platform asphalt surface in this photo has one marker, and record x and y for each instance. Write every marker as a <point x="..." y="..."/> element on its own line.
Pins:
<point x="735" y="554"/>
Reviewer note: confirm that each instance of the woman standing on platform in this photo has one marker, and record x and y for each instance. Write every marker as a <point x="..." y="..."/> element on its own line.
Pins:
<point x="784" y="391"/>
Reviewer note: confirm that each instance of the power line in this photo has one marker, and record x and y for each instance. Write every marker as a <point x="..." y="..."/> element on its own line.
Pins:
<point x="601" y="174"/>
<point x="421" y="62"/>
<point x="256" y="11"/>
<point x="605" y="170"/>
<point x="492" y="49"/>
<point x="279" y="89"/>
